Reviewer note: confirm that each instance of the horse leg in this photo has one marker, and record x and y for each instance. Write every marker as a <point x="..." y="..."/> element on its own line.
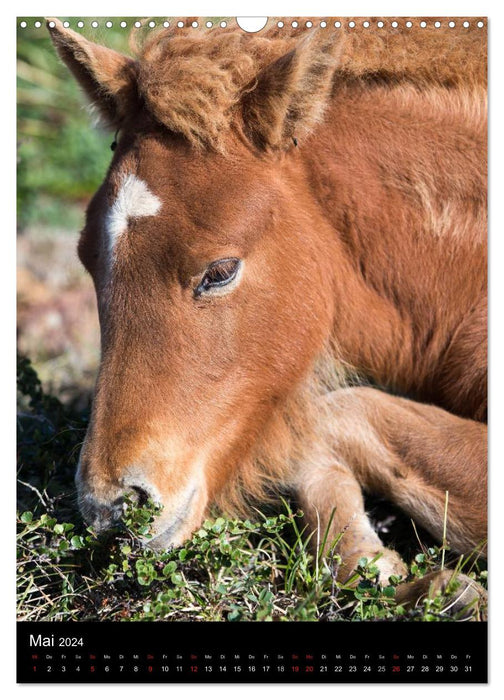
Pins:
<point x="333" y="506"/>
<point x="417" y="456"/>
<point x="414" y="455"/>
<point x="462" y="593"/>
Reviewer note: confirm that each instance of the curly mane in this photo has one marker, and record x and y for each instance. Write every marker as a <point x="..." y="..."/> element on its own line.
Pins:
<point x="193" y="80"/>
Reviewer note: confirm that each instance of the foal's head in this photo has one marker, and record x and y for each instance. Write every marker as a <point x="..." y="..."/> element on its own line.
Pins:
<point x="207" y="255"/>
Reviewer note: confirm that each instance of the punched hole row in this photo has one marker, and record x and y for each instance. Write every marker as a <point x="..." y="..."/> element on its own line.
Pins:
<point x="209" y="24"/>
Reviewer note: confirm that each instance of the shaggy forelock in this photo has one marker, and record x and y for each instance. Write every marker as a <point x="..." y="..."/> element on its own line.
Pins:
<point x="192" y="79"/>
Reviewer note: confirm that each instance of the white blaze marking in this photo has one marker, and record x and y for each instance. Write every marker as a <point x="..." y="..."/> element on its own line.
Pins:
<point x="134" y="199"/>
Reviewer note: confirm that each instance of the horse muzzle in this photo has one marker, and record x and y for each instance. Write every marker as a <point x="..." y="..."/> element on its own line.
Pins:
<point x="180" y="513"/>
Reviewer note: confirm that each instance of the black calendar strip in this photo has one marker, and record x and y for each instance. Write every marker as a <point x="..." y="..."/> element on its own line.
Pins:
<point x="252" y="652"/>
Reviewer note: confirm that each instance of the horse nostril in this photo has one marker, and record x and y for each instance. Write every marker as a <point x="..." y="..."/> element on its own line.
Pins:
<point x="141" y="494"/>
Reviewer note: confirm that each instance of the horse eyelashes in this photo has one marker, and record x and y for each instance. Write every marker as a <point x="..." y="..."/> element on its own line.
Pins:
<point x="218" y="274"/>
<point x="222" y="271"/>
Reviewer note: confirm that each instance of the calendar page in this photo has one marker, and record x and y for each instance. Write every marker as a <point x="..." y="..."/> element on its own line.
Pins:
<point x="252" y="350"/>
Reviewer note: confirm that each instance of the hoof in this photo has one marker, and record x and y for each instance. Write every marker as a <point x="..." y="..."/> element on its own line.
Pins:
<point x="468" y="598"/>
<point x="388" y="562"/>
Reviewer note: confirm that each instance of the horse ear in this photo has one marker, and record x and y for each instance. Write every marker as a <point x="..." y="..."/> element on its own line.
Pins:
<point x="107" y="77"/>
<point x="289" y="96"/>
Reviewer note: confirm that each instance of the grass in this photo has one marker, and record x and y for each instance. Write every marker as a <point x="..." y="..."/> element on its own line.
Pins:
<point x="260" y="569"/>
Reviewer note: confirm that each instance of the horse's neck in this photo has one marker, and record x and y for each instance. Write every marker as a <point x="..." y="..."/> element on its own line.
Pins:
<point x="404" y="234"/>
<point x="372" y="333"/>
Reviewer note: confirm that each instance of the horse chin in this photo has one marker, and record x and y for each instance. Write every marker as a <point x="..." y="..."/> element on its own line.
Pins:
<point x="167" y="539"/>
<point x="173" y="535"/>
<point x="173" y="532"/>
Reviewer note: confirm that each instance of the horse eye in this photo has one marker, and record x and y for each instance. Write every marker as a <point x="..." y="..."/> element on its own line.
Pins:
<point x="218" y="274"/>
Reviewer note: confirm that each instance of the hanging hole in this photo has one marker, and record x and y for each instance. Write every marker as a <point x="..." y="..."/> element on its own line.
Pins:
<point x="251" y="24"/>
